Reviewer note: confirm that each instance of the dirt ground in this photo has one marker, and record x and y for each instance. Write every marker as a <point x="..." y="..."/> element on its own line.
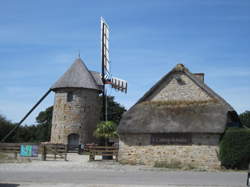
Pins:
<point x="78" y="171"/>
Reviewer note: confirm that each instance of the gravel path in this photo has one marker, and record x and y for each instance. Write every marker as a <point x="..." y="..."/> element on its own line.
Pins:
<point x="75" y="163"/>
<point x="79" y="172"/>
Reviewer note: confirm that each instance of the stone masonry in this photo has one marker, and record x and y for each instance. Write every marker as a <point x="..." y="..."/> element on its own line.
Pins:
<point x="172" y="90"/>
<point x="79" y="116"/>
<point x="197" y="156"/>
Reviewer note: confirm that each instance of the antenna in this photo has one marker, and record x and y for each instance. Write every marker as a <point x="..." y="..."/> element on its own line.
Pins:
<point x="116" y="83"/>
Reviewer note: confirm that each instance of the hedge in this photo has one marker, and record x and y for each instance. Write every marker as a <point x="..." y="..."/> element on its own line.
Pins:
<point x="235" y="148"/>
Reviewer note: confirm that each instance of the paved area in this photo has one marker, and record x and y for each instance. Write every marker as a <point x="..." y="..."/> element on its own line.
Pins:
<point x="106" y="177"/>
<point x="77" y="172"/>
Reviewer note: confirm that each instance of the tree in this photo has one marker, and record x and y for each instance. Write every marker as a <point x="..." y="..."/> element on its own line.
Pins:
<point x="245" y="118"/>
<point x="6" y="126"/>
<point x="44" y="120"/>
<point x="32" y="133"/>
<point x="41" y="131"/>
<point x="106" y="130"/>
<point x="114" y="111"/>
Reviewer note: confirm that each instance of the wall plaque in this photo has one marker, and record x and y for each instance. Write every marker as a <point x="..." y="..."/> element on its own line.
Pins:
<point x="171" y="139"/>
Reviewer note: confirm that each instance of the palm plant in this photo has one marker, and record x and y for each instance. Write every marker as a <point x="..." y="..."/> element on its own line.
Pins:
<point x="106" y="130"/>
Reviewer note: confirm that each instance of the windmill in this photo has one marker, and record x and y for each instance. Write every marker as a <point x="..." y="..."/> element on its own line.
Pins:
<point x="107" y="78"/>
<point x="75" y="75"/>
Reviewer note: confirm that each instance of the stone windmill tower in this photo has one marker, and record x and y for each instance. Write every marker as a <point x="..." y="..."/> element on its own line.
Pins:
<point x="76" y="106"/>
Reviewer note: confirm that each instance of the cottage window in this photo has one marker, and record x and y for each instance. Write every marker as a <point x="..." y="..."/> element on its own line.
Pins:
<point x="69" y="96"/>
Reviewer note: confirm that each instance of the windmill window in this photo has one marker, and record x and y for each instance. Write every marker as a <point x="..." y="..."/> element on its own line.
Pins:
<point x="69" y="96"/>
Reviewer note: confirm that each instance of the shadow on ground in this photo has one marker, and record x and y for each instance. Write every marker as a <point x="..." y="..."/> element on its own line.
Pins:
<point x="8" y="185"/>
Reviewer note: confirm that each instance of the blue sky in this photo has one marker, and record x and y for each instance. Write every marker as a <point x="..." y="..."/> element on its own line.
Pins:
<point x="40" y="39"/>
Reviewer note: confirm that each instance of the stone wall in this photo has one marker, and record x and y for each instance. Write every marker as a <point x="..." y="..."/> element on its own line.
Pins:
<point x="198" y="156"/>
<point x="79" y="116"/>
<point x="185" y="89"/>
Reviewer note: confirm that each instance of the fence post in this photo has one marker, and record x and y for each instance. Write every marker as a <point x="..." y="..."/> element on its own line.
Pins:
<point x="66" y="150"/>
<point x="55" y="152"/>
<point x="15" y="155"/>
<point x="44" y="152"/>
<point x="79" y="149"/>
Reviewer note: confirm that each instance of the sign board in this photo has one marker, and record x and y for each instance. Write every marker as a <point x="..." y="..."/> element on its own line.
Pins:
<point x="171" y="139"/>
<point x="105" y="46"/>
<point x="29" y="150"/>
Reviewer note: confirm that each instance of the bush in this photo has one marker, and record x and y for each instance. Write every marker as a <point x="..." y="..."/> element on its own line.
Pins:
<point x="235" y="148"/>
<point x="245" y="118"/>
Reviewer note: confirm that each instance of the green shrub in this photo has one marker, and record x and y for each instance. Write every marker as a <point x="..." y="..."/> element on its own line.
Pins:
<point x="245" y="118"/>
<point x="235" y="148"/>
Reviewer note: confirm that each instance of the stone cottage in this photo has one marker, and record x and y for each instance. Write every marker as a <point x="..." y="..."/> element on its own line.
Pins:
<point x="76" y="106"/>
<point x="180" y="119"/>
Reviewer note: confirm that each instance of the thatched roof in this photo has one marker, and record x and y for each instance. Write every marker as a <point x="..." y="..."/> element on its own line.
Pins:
<point x="157" y="117"/>
<point x="181" y="68"/>
<point x="78" y="76"/>
<point x="183" y="116"/>
<point x="98" y="79"/>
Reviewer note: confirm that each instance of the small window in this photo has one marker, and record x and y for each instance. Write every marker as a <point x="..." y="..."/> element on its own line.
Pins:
<point x="69" y="96"/>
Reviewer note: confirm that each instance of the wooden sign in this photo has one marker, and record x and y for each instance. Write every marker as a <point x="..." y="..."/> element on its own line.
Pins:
<point x="171" y="139"/>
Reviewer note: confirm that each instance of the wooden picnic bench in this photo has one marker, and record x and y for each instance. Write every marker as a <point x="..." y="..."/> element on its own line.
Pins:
<point x="102" y="151"/>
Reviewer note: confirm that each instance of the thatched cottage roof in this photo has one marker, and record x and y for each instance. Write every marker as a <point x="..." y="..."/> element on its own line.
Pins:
<point x="186" y="118"/>
<point x="183" y="116"/>
<point x="78" y="76"/>
<point x="181" y="68"/>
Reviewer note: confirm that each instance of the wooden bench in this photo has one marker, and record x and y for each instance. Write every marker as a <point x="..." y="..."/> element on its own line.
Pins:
<point x="102" y="151"/>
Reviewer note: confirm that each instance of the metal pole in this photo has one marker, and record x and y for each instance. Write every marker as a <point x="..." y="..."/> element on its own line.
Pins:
<point x="31" y="110"/>
<point x="103" y="78"/>
<point x="106" y="106"/>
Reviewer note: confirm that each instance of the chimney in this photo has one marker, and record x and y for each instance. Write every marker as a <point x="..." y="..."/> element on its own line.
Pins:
<point x="199" y="76"/>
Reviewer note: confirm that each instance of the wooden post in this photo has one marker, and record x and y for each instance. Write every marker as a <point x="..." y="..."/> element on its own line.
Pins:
<point x="79" y="149"/>
<point x="91" y="155"/>
<point x="116" y="156"/>
<point x="55" y="151"/>
<point x="15" y="155"/>
<point x="65" y="154"/>
<point x="67" y="148"/>
<point x="65" y="157"/>
<point x="44" y="152"/>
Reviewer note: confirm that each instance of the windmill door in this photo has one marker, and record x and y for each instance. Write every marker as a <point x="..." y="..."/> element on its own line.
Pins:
<point x="73" y="141"/>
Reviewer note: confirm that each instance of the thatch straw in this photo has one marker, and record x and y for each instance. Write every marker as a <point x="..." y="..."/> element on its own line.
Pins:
<point x="179" y="103"/>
